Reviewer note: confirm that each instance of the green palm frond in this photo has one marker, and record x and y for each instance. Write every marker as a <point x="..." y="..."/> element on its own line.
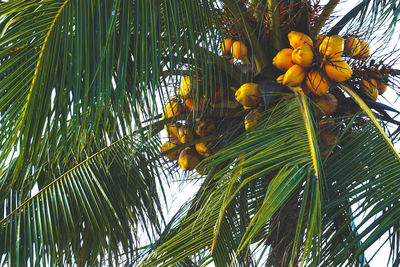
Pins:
<point x="367" y="16"/>
<point x="267" y="166"/>
<point x="99" y="209"/>
<point x="363" y="180"/>
<point x="373" y="119"/>
<point x="75" y="75"/>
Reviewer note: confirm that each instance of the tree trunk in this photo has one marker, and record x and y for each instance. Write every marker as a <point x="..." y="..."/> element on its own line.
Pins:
<point x="285" y="221"/>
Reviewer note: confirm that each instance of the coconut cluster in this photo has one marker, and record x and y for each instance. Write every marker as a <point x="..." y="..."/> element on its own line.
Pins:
<point x="235" y="49"/>
<point x="316" y="65"/>
<point x="312" y="66"/>
<point x="181" y="134"/>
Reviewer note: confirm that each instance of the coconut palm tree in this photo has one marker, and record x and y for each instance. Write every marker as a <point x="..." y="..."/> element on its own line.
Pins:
<point x="87" y="87"/>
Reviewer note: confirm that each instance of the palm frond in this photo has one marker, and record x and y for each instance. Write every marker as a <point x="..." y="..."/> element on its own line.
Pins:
<point x="102" y="207"/>
<point x="75" y="75"/>
<point x="363" y="196"/>
<point x="369" y="15"/>
<point x="373" y="119"/>
<point x="268" y="166"/>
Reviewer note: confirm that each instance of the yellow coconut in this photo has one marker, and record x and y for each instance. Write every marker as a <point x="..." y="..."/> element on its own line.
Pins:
<point x="195" y="106"/>
<point x="248" y="95"/>
<point x="172" y="129"/>
<point x="204" y="149"/>
<point x="185" y="134"/>
<point x="185" y="87"/>
<point x="204" y="127"/>
<point x="303" y="55"/>
<point x="325" y="104"/>
<point x="297" y="39"/>
<point x="174" y="155"/>
<point x="317" y="82"/>
<point x="238" y="50"/>
<point x="252" y="118"/>
<point x="280" y="79"/>
<point x="370" y="88"/>
<point x="332" y="46"/>
<point x="173" y="108"/>
<point x="294" y="76"/>
<point x="283" y="60"/>
<point x="338" y="70"/>
<point x="351" y="46"/>
<point x="364" y="51"/>
<point x="226" y="46"/>
<point x="188" y="159"/>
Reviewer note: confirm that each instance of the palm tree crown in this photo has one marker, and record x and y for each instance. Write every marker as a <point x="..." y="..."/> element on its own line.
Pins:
<point x="274" y="108"/>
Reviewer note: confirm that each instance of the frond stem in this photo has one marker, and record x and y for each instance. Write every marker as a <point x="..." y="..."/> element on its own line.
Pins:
<point x="370" y="114"/>
<point x="321" y="20"/>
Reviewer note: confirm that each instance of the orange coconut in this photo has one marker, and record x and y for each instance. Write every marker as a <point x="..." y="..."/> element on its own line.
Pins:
<point x="187" y="85"/>
<point x="294" y="76"/>
<point x="370" y="88"/>
<point x="381" y="87"/>
<point x="332" y="46"/>
<point x="297" y="39"/>
<point x="351" y="46"/>
<point x="238" y="50"/>
<point x="195" y="106"/>
<point x="280" y="79"/>
<point x="317" y="82"/>
<point x="226" y="46"/>
<point x="283" y="60"/>
<point x="303" y="55"/>
<point x="364" y="51"/>
<point x="338" y="70"/>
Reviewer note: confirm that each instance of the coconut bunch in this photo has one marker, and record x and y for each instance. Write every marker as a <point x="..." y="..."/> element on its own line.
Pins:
<point x="231" y="48"/>
<point x="181" y="134"/>
<point x="372" y="82"/>
<point x="312" y="66"/>
<point x="316" y="65"/>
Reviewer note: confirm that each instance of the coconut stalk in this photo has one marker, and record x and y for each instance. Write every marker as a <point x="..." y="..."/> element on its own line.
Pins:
<point x="325" y="15"/>
<point x="274" y="23"/>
